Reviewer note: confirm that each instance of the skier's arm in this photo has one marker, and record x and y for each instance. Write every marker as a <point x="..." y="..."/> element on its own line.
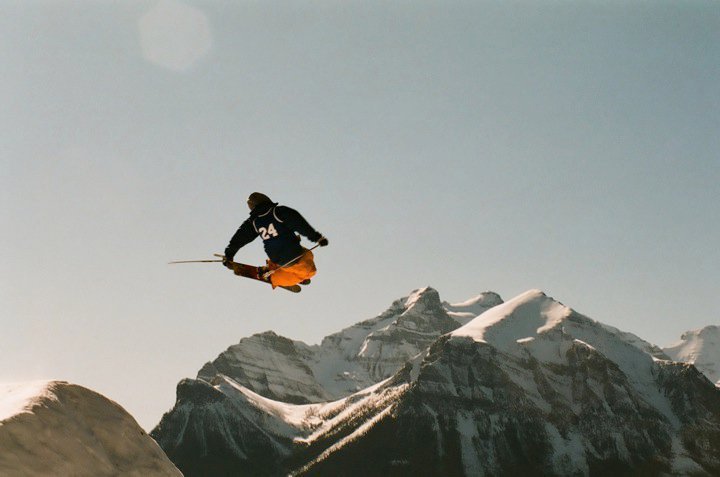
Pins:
<point x="243" y="236"/>
<point x="297" y="223"/>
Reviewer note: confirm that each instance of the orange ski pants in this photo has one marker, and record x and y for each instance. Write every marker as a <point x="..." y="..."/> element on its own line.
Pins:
<point x="302" y="269"/>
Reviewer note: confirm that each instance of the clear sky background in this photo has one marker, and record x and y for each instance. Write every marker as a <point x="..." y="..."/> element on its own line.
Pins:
<point x="470" y="146"/>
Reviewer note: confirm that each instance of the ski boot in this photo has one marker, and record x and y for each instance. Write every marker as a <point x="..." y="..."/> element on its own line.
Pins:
<point x="261" y="271"/>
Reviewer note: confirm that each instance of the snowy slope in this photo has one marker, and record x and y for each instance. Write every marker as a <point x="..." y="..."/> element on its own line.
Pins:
<point x="53" y="428"/>
<point x="468" y="310"/>
<point x="533" y="325"/>
<point x="511" y="326"/>
<point x="224" y="428"/>
<point x="701" y="348"/>
<point x="304" y="423"/>
<point x="16" y="398"/>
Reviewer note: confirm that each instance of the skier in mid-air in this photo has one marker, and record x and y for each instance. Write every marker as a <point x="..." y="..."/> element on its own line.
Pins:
<point x="290" y="263"/>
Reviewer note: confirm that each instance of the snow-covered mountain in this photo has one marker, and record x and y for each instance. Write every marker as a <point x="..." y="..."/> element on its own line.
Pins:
<point x="53" y="428"/>
<point x="528" y="387"/>
<point x="701" y="348"/>
<point x="472" y="308"/>
<point x="348" y="361"/>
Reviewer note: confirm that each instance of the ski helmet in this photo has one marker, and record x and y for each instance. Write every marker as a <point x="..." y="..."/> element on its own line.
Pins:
<point x="257" y="198"/>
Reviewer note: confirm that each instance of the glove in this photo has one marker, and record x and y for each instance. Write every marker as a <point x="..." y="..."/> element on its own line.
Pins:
<point x="323" y="242"/>
<point x="228" y="262"/>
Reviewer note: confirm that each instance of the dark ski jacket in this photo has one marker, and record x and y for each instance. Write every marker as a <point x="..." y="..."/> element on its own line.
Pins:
<point x="277" y="225"/>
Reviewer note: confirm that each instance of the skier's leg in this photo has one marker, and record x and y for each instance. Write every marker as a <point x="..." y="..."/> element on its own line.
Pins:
<point x="302" y="270"/>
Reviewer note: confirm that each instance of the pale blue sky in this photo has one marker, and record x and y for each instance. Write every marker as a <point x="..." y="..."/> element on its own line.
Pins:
<point x="469" y="146"/>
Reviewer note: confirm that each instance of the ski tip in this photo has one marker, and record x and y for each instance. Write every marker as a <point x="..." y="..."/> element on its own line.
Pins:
<point x="294" y="288"/>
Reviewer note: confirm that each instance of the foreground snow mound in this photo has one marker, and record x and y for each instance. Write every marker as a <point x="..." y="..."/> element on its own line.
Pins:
<point x="701" y="348"/>
<point x="17" y="398"/>
<point x="54" y="428"/>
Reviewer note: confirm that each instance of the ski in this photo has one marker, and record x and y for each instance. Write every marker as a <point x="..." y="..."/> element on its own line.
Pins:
<point x="252" y="272"/>
<point x="193" y="261"/>
<point x="242" y="270"/>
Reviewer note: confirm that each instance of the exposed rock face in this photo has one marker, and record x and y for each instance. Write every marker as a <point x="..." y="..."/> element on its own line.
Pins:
<point x="271" y="365"/>
<point x="55" y="428"/>
<point x="389" y="341"/>
<point x="530" y="387"/>
<point x="212" y="431"/>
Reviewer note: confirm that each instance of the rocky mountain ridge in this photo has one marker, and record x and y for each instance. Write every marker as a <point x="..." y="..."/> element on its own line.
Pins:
<point x="529" y="386"/>
<point x="348" y="361"/>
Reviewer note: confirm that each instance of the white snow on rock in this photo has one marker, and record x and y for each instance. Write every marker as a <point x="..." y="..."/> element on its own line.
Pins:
<point x="53" y="428"/>
<point x="525" y="316"/>
<point x="345" y="362"/>
<point x="468" y="310"/>
<point x="535" y="325"/>
<point x="305" y="422"/>
<point x="16" y="398"/>
<point x="701" y="348"/>
<point x="515" y="326"/>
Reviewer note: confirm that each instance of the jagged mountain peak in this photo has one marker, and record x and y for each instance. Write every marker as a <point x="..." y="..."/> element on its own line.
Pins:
<point x="349" y="360"/>
<point x="702" y="348"/>
<point x="271" y="364"/>
<point x="419" y="310"/>
<point x="538" y="327"/>
<point x="465" y="311"/>
<point x="423" y="299"/>
<point x="533" y="314"/>
<point x="481" y="302"/>
<point x="708" y="332"/>
<point x="522" y="317"/>
<point x="692" y="342"/>
<point x="423" y="312"/>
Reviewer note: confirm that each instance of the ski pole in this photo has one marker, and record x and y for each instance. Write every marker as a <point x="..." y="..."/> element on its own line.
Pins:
<point x="193" y="261"/>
